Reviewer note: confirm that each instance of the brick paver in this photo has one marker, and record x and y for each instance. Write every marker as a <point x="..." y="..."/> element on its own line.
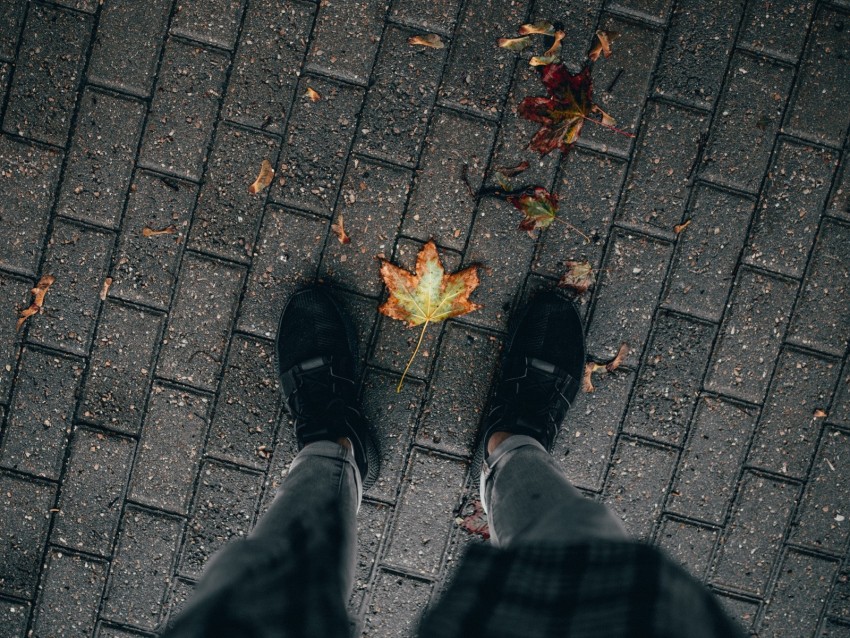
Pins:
<point x="141" y="424"/>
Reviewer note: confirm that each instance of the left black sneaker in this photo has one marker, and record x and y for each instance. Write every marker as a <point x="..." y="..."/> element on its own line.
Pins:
<point x="316" y="358"/>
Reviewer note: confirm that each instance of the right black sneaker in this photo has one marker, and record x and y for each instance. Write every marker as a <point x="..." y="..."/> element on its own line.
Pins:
<point x="316" y="357"/>
<point x="541" y="373"/>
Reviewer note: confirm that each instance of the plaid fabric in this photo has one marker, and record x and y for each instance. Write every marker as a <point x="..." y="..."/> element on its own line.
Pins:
<point x="599" y="589"/>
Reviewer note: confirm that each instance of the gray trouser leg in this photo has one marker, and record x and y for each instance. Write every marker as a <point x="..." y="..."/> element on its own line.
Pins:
<point x="528" y="499"/>
<point x="322" y="475"/>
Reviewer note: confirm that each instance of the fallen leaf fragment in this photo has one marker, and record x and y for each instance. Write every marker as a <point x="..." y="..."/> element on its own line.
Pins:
<point x="591" y="366"/>
<point x="552" y="54"/>
<point x="264" y="178"/>
<point x="538" y="206"/>
<point x="563" y="112"/>
<point x="312" y="94"/>
<point x="543" y="27"/>
<point x="614" y="363"/>
<point x="429" y="295"/>
<point x="150" y="232"/>
<point x="819" y="414"/>
<point x="431" y="40"/>
<point x="473" y="519"/>
<point x="339" y="229"/>
<point x="515" y="44"/>
<point x="602" y="45"/>
<point x="38" y="294"/>
<point x="579" y="276"/>
<point x="678" y="228"/>
<point x="107" y="284"/>
<point x="512" y="171"/>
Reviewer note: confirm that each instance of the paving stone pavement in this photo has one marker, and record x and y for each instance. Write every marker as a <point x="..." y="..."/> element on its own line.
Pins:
<point x="142" y="428"/>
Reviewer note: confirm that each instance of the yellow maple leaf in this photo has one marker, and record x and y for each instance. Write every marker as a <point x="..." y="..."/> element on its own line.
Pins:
<point x="429" y="295"/>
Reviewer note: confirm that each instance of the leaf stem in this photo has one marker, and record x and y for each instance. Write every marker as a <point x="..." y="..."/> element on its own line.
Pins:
<point x="608" y="126"/>
<point x="564" y="221"/>
<point x="412" y="357"/>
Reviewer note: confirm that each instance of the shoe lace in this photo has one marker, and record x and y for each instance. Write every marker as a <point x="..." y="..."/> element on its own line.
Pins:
<point x="321" y="399"/>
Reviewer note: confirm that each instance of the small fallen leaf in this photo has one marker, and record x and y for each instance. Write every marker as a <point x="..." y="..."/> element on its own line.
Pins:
<point x="473" y="519"/>
<point x="107" y="284"/>
<point x="552" y="54"/>
<point x="579" y="276"/>
<point x="339" y="229"/>
<point x="819" y="414"/>
<point x="38" y="294"/>
<point x="512" y="171"/>
<point x="678" y="228"/>
<point x="614" y="363"/>
<point x="264" y="178"/>
<point x="607" y="120"/>
<point x="543" y="27"/>
<point x="431" y="40"/>
<point x="538" y="206"/>
<point x="515" y="44"/>
<point x="312" y="94"/>
<point x="150" y="232"/>
<point x="591" y="366"/>
<point x="429" y="295"/>
<point x="602" y="45"/>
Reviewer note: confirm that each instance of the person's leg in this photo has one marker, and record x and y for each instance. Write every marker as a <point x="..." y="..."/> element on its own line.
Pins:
<point x="528" y="499"/>
<point x="294" y="572"/>
<point x="323" y="478"/>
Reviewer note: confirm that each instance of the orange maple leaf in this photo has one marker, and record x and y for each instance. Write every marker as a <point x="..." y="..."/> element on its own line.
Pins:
<point x="429" y="295"/>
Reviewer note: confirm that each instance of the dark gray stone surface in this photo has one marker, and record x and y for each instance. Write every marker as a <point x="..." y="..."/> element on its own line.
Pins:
<point x="28" y="177"/>
<point x="78" y="257"/>
<point x="223" y="509"/>
<point x="128" y="420"/>
<point x="141" y="569"/>
<point x="24" y="531"/>
<point x="184" y="109"/>
<point x="44" y="89"/>
<point x="103" y="150"/>
<point x="41" y="412"/>
<point x="70" y="595"/>
<point x="121" y="367"/>
<point x="169" y="449"/>
<point x="92" y="489"/>
<point x="127" y="45"/>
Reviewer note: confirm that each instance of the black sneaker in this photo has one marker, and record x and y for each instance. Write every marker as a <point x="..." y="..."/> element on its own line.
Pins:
<point x="541" y="373"/>
<point x="316" y="359"/>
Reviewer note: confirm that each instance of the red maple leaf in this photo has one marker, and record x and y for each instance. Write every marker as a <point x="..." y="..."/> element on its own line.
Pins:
<point x="562" y="114"/>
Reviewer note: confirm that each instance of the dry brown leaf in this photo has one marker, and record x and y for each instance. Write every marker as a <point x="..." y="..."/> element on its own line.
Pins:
<point x="678" y="228"/>
<point x="107" y="284"/>
<point x="150" y="232"/>
<point x="312" y="94"/>
<point x="512" y="171"/>
<point x="579" y="276"/>
<point x="38" y="293"/>
<point x="602" y="45"/>
<point x="431" y="40"/>
<point x="339" y="229"/>
<point x="614" y="363"/>
<point x="819" y="414"/>
<point x="515" y="44"/>
<point x="543" y="27"/>
<point x="264" y="178"/>
<point x="607" y="120"/>
<point x="591" y="366"/>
